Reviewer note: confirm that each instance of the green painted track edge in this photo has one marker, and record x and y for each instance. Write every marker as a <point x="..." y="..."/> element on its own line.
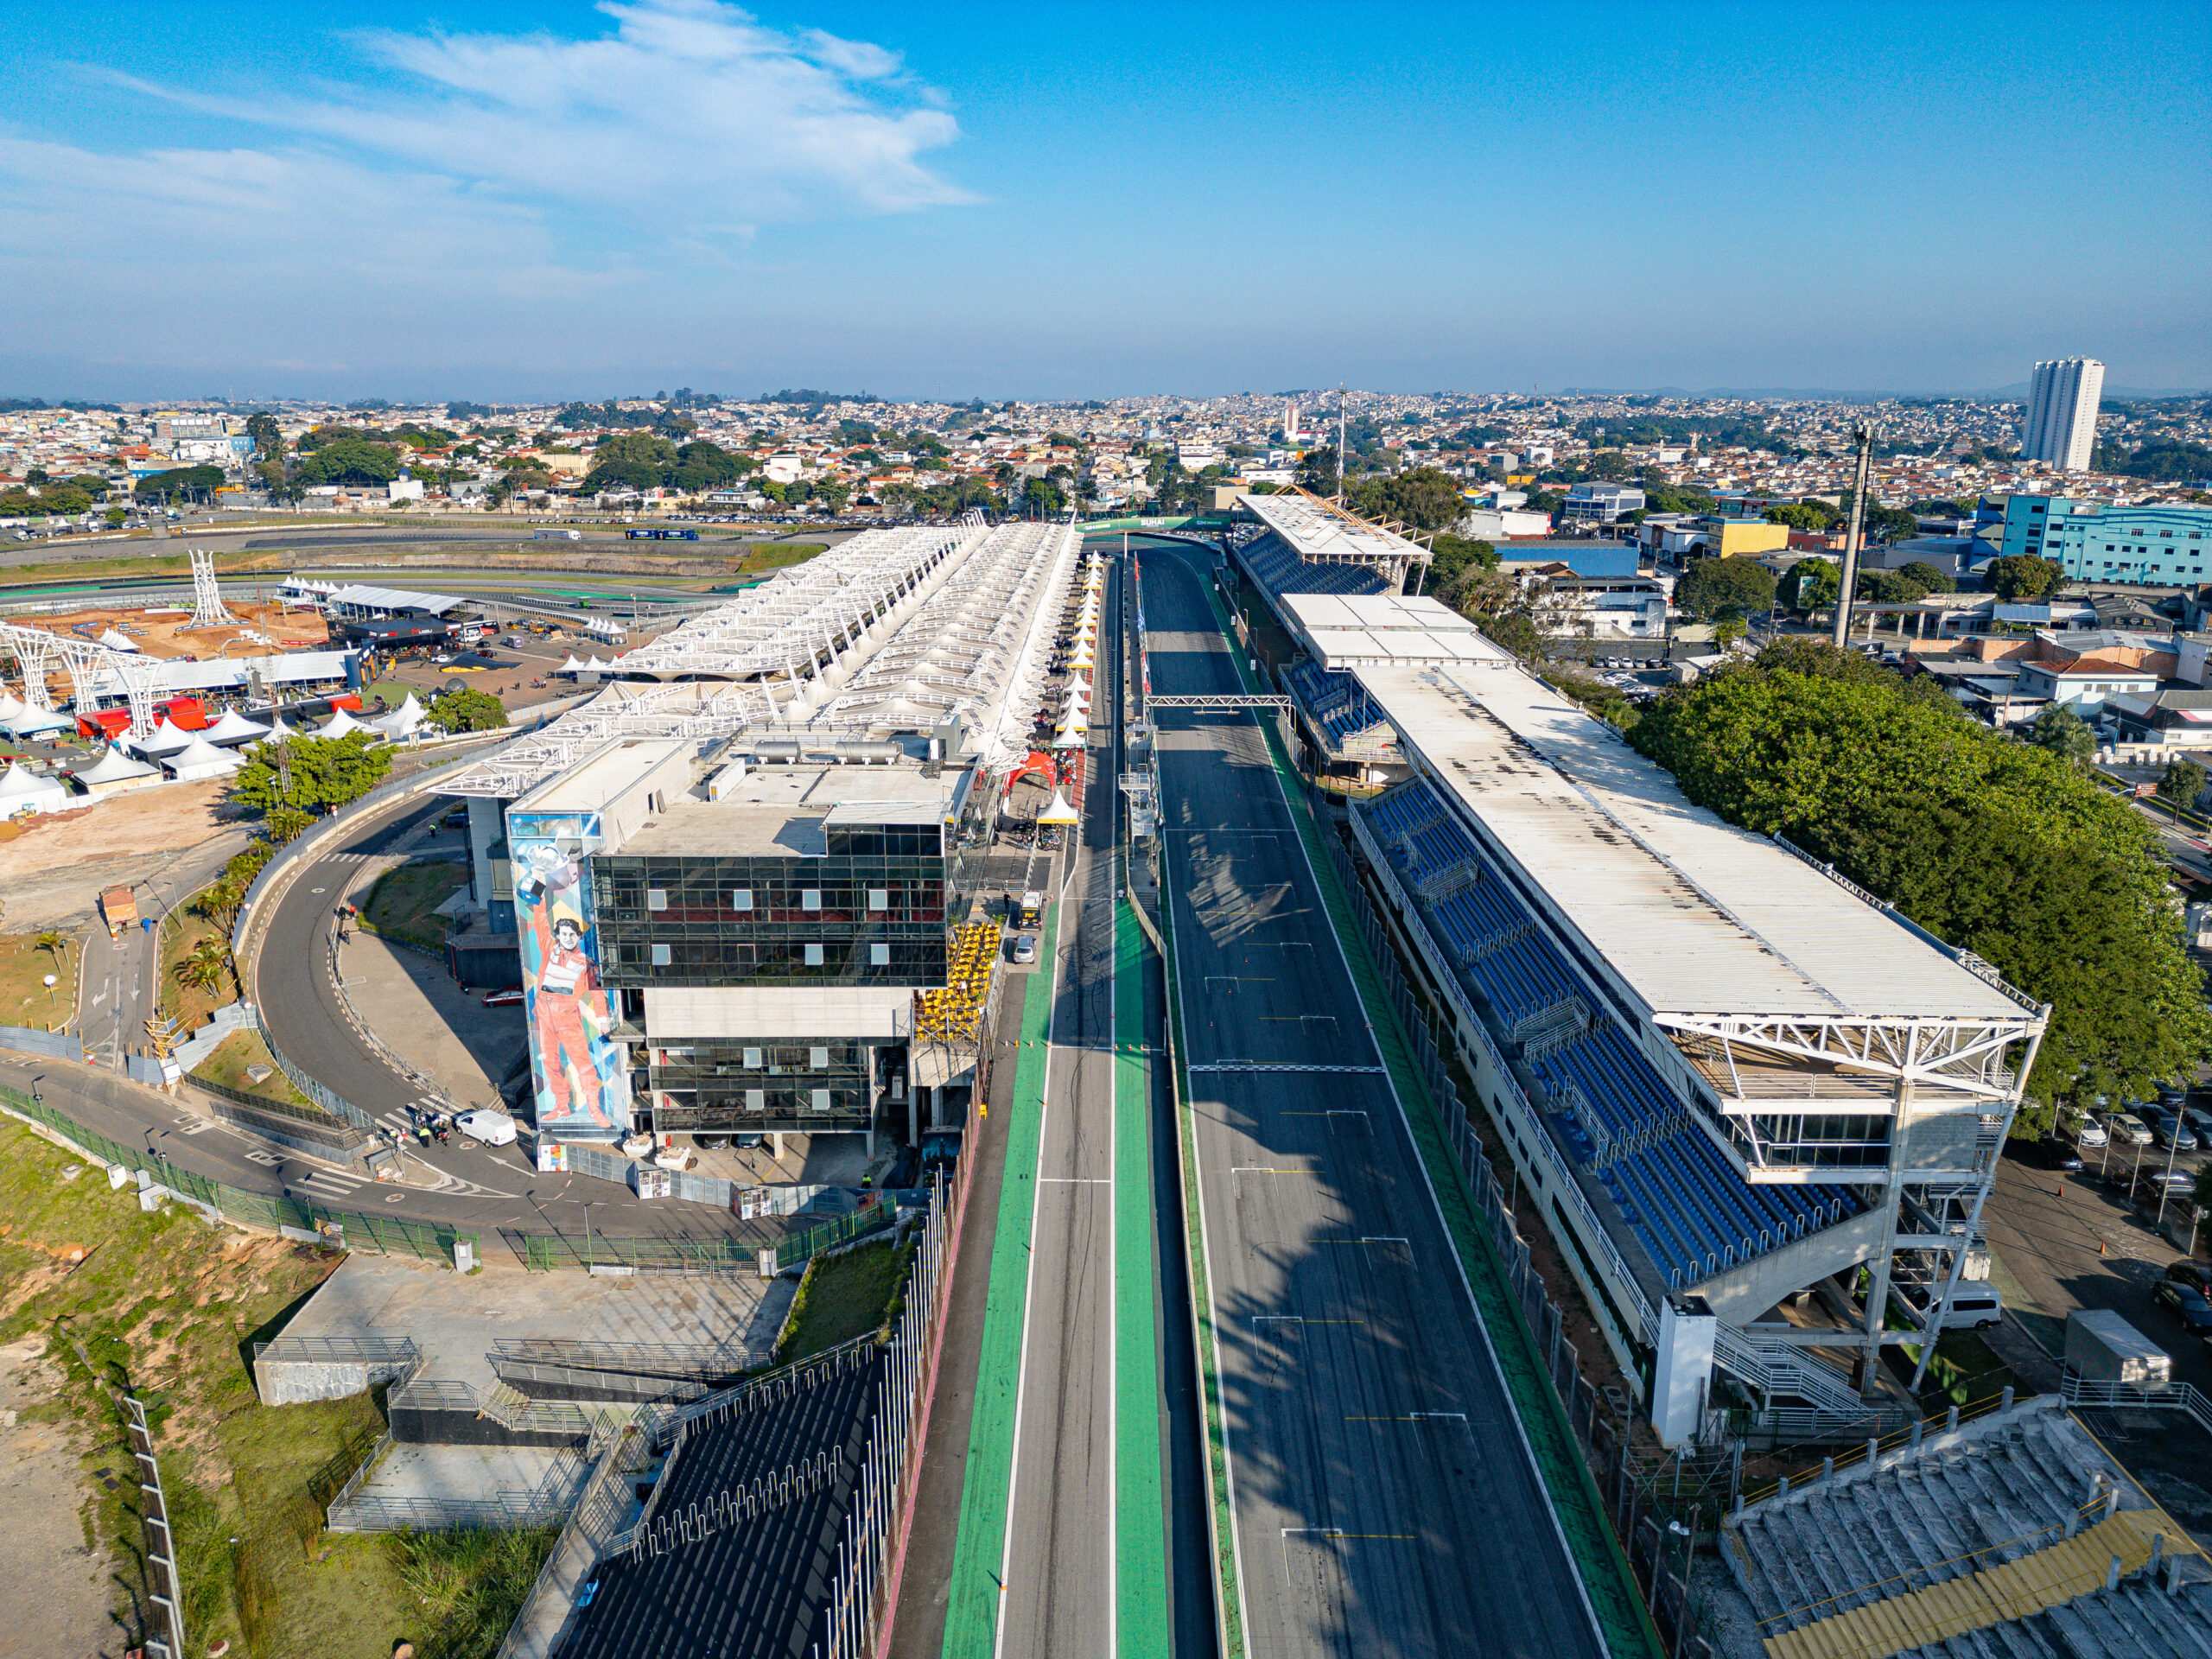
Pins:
<point x="1141" y="1623"/>
<point x="1630" y="1633"/>
<point x="1230" y="1615"/>
<point x="972" y="1616"/>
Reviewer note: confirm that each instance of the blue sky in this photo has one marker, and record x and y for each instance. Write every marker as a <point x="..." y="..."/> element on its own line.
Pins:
<point x="446" y="199"/>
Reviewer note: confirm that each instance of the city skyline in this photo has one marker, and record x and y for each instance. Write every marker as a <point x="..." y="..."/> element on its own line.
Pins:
<point x="498" y="205"/>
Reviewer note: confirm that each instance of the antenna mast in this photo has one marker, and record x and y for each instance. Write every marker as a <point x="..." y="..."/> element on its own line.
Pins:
<point x="1340" y="443"/>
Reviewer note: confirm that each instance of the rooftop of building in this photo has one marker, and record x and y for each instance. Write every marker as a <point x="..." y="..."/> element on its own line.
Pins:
<point x="1317" y="529"/>
<point x="1695" y="916"/>
<point x="785" y="812"/>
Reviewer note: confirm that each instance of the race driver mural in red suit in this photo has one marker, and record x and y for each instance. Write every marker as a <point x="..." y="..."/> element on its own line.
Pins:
<point x="582" y="1089"/>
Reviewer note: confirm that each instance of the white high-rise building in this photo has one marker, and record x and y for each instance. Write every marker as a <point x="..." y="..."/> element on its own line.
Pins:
<point x="2062" y="424"/>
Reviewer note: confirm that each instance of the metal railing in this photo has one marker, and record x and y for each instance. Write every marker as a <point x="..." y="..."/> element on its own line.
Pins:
<point x="2085" y="1395"/>
<point x="1872" y="1449"/>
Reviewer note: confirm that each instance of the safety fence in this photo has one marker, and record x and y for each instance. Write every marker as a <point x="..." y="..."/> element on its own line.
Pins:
<point x="871" y="1551"/>
<point x="386" y="1235"/>
<point x="548" y="1252"/>
<point x="333" y="1102"/>
<point x="1874" y="1445"/>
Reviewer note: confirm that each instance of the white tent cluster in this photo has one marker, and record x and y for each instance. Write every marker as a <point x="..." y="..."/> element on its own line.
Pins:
<point x="1073" y="728"/>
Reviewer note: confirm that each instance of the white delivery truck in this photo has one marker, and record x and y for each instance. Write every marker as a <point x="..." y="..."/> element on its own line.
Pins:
<point x="2101" y="1347"/>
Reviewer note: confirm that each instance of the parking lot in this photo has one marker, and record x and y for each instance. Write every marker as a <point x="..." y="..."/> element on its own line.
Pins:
<point x="2064" y="1241"/>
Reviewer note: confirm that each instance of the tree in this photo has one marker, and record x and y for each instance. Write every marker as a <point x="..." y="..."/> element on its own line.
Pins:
<point x="286" y="824"/>
<point x="324" y="771"/>
<point x="464" y="708"/>
<point x="1715" y="585"/>
<point x="1043" y="498"/>
<point x="2023" y="576"/>
<point x="204" y="966"/>
<point x="1811" y="585"/>
<point x="1728" y="629"/>
<point x="1920" y="807"/>
<point x="2062" y="732"/>
<point x="1317" y="470"/>
<point x="1425" y="498"/>
<point x="1889" y="524"/>
<point x="2183" y="783"/>
<point x="187" y="483"/>
<point x="52" y="943"/>
<point x="1930" y="580"/>
<point x="1889" y="588"/>
<point x="351" y="460"/>
<point x="1452" y="556"/>
<point x="1811" y="516"/>
<point x="833" y="493"/>
<point x="268" y="438"/>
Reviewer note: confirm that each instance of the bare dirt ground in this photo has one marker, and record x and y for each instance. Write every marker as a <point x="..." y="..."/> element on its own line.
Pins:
<point x="56" y="1603"/>
<point x="162" y="634"/>
<point x="52" y="871"/>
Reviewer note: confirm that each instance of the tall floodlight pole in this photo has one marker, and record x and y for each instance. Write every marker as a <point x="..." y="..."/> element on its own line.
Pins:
<point x="1340" y="443"/>
<point x="1865" y="435"/>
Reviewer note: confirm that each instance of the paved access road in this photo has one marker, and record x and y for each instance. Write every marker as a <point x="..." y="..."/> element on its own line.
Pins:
<point x="1384" y="1500"/>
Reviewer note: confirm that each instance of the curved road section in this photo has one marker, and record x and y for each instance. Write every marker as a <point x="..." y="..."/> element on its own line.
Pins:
<point x="1383" y="1497"/>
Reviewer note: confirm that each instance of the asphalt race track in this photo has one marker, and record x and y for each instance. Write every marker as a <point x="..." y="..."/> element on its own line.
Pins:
<point x="1384" y="1501"/>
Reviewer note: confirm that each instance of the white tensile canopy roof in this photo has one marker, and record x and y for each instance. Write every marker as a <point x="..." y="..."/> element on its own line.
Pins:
<point x="20" y="789"/>
<point x="342" y="724"/>
<point x="168" y="738"/>
<point x="1057" y="811"/>
<point x="113" y="768"/>
<point x="202" y="759"/>
<point x="401" y="721"/>
<point x="235" y="728"/>
<point x="32" y="721"/>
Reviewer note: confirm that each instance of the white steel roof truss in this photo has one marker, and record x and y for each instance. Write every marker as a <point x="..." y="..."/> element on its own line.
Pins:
<point x="1964" y="1054"/>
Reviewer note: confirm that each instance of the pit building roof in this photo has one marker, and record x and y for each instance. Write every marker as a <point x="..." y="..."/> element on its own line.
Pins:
<point x="1697" y="916"/>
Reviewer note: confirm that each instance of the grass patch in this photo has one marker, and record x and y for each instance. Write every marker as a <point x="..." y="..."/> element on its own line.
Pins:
<point x="401" y="903"/>
<point x="168" y="1304"/>
<point x="182" y="930"/>
<point x="24" y="999"/>
<point x="759" y="556"/>
<point x="845" y="1296"/>
<point x="467" y="1587"/>
<point x="233" y="1055"/>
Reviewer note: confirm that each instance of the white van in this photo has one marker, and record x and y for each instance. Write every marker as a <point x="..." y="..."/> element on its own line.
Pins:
<point x="1975" y="1305"/>
<point x="492" y="1129"/>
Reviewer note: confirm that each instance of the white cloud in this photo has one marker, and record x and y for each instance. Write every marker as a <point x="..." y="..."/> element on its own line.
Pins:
<point x="689" y="110"/>
<point x="488" y="196"/>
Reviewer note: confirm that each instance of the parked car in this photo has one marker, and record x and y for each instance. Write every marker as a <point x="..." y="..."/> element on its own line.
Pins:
<point x="2129" y="1129"/>
<point x="2056" y="1152"/>
<point x="2196" y="1274"/>
<point x="2170" y="1095"/>
<point x="2186" y="1303"/>
<point x="502" y="998"/>
<point x="2090" y="1133"/>
<point x="1025" y="949"/>
<point x="2199" y="1124"/>
<point x="710" y="1143"/>
<point x="2168" y="1130"/>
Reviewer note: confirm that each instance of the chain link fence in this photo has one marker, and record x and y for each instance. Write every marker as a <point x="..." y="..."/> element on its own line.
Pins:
<point x="386" y="1235"/>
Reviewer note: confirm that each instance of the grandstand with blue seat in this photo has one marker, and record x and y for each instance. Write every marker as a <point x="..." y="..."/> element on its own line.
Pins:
<point x="1731" y="1075"/>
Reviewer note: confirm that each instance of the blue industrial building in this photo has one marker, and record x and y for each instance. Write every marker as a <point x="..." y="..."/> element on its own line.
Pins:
<point x="2163" y="545"/>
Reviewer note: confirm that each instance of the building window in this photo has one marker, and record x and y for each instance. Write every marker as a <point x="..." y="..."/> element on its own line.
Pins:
<point x="813" y="954"/>
<point x="660" y="955"/>
<point x="810" y="898"/>
<point x="878" y="898"/>
<point x="656" y="899"/>
<point x="817" y="1059"/>
<point x="820" y="1098"/>
<point x="753" y="1059"/>
<point x="879" y="955"/>
<point x="741" y="899"/>
<point x="756" y="1100"/>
